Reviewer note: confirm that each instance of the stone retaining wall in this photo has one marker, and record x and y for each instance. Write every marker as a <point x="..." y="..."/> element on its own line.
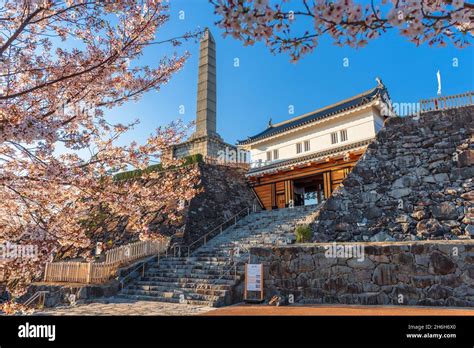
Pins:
<point x="414" y="182"/>
<point x="225" y="192"/>
<point x="427" y="273"/>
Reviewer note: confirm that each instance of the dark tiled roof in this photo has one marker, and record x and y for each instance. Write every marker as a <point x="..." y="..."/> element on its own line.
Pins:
<point x="315" y="156"/>
<point x="347" y="104"/>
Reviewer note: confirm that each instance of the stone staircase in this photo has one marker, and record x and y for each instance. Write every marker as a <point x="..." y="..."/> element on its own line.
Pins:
<point x="209" y="275"/>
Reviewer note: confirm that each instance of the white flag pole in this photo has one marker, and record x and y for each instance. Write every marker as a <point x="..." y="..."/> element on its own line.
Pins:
<point x="438" y="75"/>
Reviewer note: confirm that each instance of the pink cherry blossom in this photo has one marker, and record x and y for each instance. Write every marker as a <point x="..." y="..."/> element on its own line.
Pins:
<point x="62" y="64"/>
<point x="347" y="22"/>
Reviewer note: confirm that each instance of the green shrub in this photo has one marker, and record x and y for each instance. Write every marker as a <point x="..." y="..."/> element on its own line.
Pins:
<point x="197" y="158"/>
<point x="303" y="234"/>
<point x="155" y="168"/>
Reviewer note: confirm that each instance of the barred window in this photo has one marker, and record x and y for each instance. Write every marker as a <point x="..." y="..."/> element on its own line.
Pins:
<point x="275" y="154"/>
<point x="344" y="135"/>
<point x="298" y="148"/>
<point x="269" y="155"/>
<point x="307" y="145"/>
<point x="334" y="139"/>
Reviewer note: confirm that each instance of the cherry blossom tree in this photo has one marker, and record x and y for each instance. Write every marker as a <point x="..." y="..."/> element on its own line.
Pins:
<point x="62" y="64"/>
<point x="347" y="22"/>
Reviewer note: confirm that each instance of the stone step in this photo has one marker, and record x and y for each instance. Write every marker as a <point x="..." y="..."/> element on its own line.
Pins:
<point x="164" y="263"/>
<point x="193" y="258"/>
<point x="205" y="278"/>
<point x="183" y="271"/>
<point x="187" y="274"/>
<point x="243" y="241"/>
<point x="222" y="254"/>
<point x="187" y="285"/>
<point x="174" y="295"/>
<point x="187" y="268"/>
<point x="223" y="284"/>
<point x="181" y="290"/>
<point x="198" y="279"/>
<point x="171" y="300"/>
<point x="191" y="293"/>
<point x="192" y="264"/>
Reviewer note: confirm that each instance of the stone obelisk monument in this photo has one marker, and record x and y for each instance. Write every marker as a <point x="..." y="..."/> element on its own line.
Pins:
<point x="206" y="94"/>
<point x="205" y="140"/>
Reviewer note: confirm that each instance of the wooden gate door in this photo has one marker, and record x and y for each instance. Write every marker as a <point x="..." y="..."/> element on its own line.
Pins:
<point x="281" y="200"/>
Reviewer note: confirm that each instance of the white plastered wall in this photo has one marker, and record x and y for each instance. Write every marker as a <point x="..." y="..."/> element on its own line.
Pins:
<point x="360" y="125"/>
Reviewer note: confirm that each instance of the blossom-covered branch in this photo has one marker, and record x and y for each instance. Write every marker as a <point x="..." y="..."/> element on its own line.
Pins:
<point x="295" y="27"/>
<point x="62" y="64"/>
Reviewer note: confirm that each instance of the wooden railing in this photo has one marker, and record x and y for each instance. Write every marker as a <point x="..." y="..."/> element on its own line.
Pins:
<point x="99" y="272"/>
<point x="448" y="102"/>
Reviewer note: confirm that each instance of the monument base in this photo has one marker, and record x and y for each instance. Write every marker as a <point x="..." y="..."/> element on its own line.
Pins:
<point x="208" y="146"/>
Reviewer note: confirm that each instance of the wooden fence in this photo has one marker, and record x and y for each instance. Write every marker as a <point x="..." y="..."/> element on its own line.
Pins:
<point x="99" y="272"/>
<point x="448" y="102"/>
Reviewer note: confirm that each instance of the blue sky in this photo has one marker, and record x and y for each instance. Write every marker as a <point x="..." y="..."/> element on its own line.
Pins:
<point x="264" y="85"/>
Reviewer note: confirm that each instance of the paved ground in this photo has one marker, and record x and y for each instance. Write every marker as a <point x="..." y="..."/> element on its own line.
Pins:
<point x="126" y="307"/>
<point x="243" y="309"/>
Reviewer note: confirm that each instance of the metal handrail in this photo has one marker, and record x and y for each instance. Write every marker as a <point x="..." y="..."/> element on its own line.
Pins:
<point x="204" y="237"/>
<point x="232" y="265"/>
<point x="39" y="294"/>
<point x="122" y="281"/>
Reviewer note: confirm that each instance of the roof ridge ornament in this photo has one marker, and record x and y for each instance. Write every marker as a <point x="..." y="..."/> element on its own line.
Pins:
<point x="270" y="125"/>
<point x="379" y="82"/>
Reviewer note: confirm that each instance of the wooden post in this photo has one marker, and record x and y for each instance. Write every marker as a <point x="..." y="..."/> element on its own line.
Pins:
<point x="289" y="192"/>
<point x="62" y="272"/>
<point x="46" y="272"/>
<point x="89" y="272"/>
<point x="245" y="282"/>
<point x="273" y="197"/>
<point x="327" y="184"/>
